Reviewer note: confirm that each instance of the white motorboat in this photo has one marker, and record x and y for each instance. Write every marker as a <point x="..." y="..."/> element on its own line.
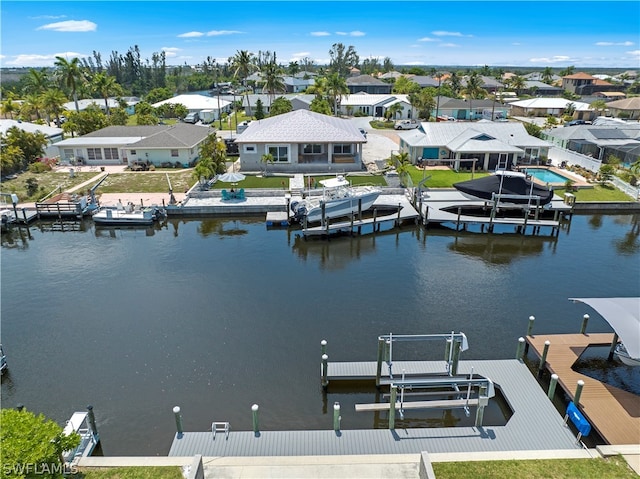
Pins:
<point x="622" y="354"/>
<point x="128" y="216"/>
<point x="338" y="199"/>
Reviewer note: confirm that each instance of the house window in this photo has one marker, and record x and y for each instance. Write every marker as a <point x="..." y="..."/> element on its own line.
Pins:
<point x="279" y="153"/>
<point x="133" y="152"/>
<point x="249" y="148"/>
<point x="68" y="153"/>
<point x="310" y="149"/>
<point x="111" y="154"/>
<point x="94" y="153"/>
<point x="174" y="153"/>
<point x="342" y="149"/>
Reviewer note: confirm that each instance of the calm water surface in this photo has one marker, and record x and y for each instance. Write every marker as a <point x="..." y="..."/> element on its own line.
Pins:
<point x="219" y="314"/>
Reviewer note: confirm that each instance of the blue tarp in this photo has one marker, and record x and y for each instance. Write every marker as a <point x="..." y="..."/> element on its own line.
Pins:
<point x="578" y="420"/>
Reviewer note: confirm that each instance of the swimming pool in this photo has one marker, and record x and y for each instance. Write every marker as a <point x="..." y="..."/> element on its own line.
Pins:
<point x="546" y="176"/>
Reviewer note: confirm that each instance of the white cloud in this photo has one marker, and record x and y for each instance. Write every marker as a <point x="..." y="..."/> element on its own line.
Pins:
<point x="357" y="33"/>
<point x="191" y="35"/>
<point x="517" y="44"/>
<point x="429" y="39"/>
<point x="553" y="59"/>
<point x="299" y="55"/>
<point x="47" y="17"/>
<point x="320" y="34"/>
<point x="70" y="26"/>
<point x="170" y="51"/>
<point x="216" y="33"/>
<point x="341" y="33"/>
<point x="614" y="44"/>
<point x="37" y="60"/>
<point x="448" y="45"/>
<point x="635" y="53"/>
<point x="444" y="33"/>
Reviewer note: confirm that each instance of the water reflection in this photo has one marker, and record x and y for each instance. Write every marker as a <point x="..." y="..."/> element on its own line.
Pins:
<point x="334" y="255"/>
<point x="16" y="238"/>
<point x="594" y="362"/>
<point x="500" y="249"/>
<point x="629" y="244"/>
<point x="223" y="227"/>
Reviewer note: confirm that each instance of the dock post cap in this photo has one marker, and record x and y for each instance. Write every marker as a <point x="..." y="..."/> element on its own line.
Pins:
<point x="554" y="376"/>
<point x="336" y="406"/>
<point x="255" y="407"/>
<point x="547" y="343"/>
<point x="176" y="409"/>
<point x="521" y="339"/>
<point x="586" y="316"/>
<point x="89" y="407"/>
<point x="325" y="357"/>
<point x="580" y="382"/>
<point x="531" y="318"/>
<point x="323" y="342"/>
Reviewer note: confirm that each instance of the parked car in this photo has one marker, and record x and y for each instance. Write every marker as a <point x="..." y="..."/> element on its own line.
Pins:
<point x="406" y="124"/>
<point x="577" y="122"/>
<point x="192" y="118"/>
<point x="364" y="133"/>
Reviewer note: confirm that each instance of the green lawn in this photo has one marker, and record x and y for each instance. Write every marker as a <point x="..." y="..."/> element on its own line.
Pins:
<point x="442" y="178"/>
<point x="131" y="473"/>
<point x="47" y="182"/>
<point x="148" y="181"/>
<point x="282" y="182"/>
<point x="381" y="125"/>
<point x="613" y="467"/>
<point x="597" y="193"/>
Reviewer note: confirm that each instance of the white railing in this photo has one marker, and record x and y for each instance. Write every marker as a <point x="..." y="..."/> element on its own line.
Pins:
<point x="632" y="191"/>
<point x="558" y="155"/>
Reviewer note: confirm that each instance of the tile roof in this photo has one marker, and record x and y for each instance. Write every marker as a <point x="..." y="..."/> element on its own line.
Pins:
<point x="579" y="76"/>
<point x="301" y="126"/>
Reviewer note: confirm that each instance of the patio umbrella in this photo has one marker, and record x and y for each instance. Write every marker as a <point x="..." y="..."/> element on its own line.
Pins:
<point x="232" y="177"/>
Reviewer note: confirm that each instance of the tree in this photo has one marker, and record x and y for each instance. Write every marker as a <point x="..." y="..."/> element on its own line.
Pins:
<point x="320" y="105"/>
<point x="567" y="71"/>
<point x="31" y="145"/>
<point x="473" y="90"/>
<point x="401" y="164"/>
<point x="599" y="106"/>
<point x="70" y="75"/>
<point x="533" y="129"/>
<point x="9" y="107"/>
<point x="454" y="82"/>
<point x="157" y="95"/>
<point x="547" y="75"/>
<point x="53" y="101"/>
<point x="423" y="102"/>
<point x="336" y="86"/>
<point x="518" y="83"/>
<point x="242" y="63"/>
<point x="145" y="114"/>
<point x="32" y="443"/>
<point x="606" y="173"/>
<point x="106" y="86"/>
<point x="118" y="116"/>
<point x="342" y="59"/>
<point x="267" y="159"/>
<point x="550" y="122"/>
<point x="279" y="106"/>
<point x="213" y="157"/>
<point x="36" y="81"/>
<point x="272" y="77"/>
<point x="259" y="109"/>
<point x="394" y="109"/>
<point x="86" y="121"/>
<point x="404" y="86"/>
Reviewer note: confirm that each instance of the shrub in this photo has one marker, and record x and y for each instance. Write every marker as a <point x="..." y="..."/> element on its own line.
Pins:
<point x="39" y="167"/>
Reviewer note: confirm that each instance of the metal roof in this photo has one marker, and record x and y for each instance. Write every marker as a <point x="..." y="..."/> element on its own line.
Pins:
<point x="48" y="131"/>
<point x="301" y="126"/>
<point x="196" y="102"/>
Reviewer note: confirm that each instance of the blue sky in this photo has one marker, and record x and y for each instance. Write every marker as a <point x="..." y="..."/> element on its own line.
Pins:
<point x="521" y="33"/>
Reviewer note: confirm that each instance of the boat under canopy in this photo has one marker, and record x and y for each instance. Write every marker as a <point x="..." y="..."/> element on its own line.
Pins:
<point x="623" y="314"/>
<point x="513" y="186"/>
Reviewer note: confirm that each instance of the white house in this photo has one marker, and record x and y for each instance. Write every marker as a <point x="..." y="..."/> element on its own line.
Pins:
<point x="550" y="106"/>
<point x="302" y="141"/>
<point x="177" y="144"/>
<point x="197" y="103"/>
<point x="490" y="144"/>
<point x="53" y="134"/>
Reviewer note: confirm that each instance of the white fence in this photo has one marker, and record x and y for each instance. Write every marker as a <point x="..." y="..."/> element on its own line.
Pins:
<point x="558" y="155"/>
<point x="632" y="191"/>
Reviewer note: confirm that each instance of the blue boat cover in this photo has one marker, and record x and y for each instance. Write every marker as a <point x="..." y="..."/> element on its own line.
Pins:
<point x="578" y="420"/>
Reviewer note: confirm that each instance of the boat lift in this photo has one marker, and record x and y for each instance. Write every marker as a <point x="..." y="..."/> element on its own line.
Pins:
<point x="455" y="344"/>
<point x="83" y="423"/>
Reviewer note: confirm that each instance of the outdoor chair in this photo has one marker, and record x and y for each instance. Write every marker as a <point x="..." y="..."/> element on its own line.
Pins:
<point x="225" y="195"/>
<point x="240" y="194"/>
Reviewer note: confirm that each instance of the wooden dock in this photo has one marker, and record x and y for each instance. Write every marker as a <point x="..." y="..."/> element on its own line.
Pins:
<point x="613" y="413"/>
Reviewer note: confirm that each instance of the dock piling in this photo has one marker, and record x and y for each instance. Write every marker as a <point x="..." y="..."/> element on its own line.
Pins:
<point x="483" y="400"/>
<point x="323" y="347"/>
<point x="325" y="381"/>
<point x="178" y="416"/>
<point x="612" y="349"/>
<point x="576" y="396"/>
<point x="92" y="421"/>
<point x="392" y="406"/>
<point x="254" y="413"/>
<point x="532" y="320"/>
<point x="520" y="349"/>
<point x="381" y="347"/>
<point x="585" y="321"/>
<point x="543" y="358"/>
<point x="552" y="386"/>
<point x="336" y="416"/>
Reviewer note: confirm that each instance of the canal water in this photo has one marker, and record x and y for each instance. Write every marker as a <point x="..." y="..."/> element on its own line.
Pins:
<point x="215" y="315"/>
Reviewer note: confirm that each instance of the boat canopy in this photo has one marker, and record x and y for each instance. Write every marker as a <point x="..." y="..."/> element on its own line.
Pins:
<point x="334" y="182"/>
<point x="515" y="184"/>
<point x="623" y="314"/>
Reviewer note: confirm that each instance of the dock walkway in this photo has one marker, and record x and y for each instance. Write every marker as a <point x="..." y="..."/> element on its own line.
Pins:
<point x="614" y="413"/>
<point x="534" y="425"/>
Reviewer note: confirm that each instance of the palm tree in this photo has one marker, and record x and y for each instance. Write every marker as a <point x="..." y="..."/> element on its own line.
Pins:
<point x="70" y="74"/>
<point x="52" y="102"/>
<point x="473" y="89"/>
<point x="395" y="109"/>
<point x="272" y="77"/>
<point x="547" y="75"/>
<point x="32" y="105"/>
<point x="336" y="87"/>
<point x="9" y="106"/>
<point x="36" y="81"/>
<point x="599" y="106"/>
<point x="242" y="63"/>
<point x="518" y="83"/>
<point x="106" y="86"/>
<point x="454" y="82"/>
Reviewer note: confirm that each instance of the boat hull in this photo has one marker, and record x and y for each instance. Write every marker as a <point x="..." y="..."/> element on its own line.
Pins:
<point x="111" y="217"/>
<point x="518" y="189"/>
<point x="623" y="356"/>
<point x="340" y="207"/>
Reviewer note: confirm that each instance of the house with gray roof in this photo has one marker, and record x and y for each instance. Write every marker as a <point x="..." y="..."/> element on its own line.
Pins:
<point x="177" y="144"/>
<point x="301" y="141"/>
<point x="538" y="88"/>
<point x="486" y="143"/>
<point x="368" y="84"/>
<point x="53" y="134"/>
<point x="619" y="139"/>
